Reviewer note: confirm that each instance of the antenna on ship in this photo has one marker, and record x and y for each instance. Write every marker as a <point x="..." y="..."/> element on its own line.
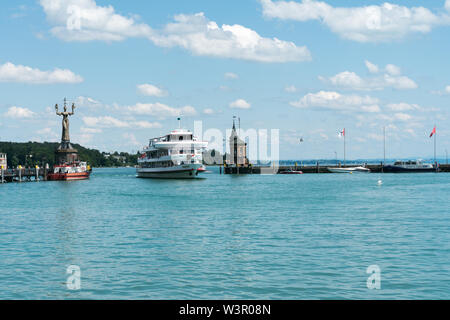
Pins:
<point x="179" y="122"/>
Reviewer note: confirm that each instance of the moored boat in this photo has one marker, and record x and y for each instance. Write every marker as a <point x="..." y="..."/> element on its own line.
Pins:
<point x="69" y="172"/>
<point x="409" y="166"/>
<point x="349" y="170"/>
<point x="178" y="155"/>
<point x="290" y="171"/>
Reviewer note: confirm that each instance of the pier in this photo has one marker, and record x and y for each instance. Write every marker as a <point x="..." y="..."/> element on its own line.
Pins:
<point x="23" y="175"/>
<point x="374" y="168"/>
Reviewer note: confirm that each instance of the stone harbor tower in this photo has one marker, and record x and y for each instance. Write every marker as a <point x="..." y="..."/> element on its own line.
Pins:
<point x="238" y="150"/>
<point x="65" y="154"/>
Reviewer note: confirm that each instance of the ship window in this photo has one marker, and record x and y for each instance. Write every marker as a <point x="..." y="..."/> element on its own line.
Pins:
<point x="180" y="138"/>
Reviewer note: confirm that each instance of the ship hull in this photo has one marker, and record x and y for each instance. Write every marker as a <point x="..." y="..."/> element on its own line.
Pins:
<point x="180" y="172"/>
<point x="395" y="169"/>
<point x="68" y="176"/>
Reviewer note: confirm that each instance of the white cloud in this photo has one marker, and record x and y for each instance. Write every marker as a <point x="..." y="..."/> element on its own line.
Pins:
<point x="18" y="112"/>
<point x="335" y="101"/>
<point x="88" y="102"/>
<point x="147" y="125"/>
<point x="402" y="107"/>
<point x="104" y="122"/>
<point x="373" y="68"/>
<point x="443" y="92"/>
<point x="402" y="116"/>
<point x="161" y="110"/>
<point x="231" y="75"/>
<point x="393" y="70"/>
<point x="373" y="23"/>
<point x="240" y="104"/>
<point x="10" y="72"/>
<point x="392" y="78"/>
<point x="291" y="89"/>
<point x="151" y="90"/>
<point x="84" y="20"/>
<point x="208" y="111"/>
<point x="131" y="138"/>
<point x="47" y="134"/>
<point x="203" y="37"/>
<point x="399" y="82"/>
<point x="90" y="130"/>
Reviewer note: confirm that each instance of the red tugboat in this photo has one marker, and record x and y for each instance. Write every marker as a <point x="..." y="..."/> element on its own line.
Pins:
<point x="68" y="166"/>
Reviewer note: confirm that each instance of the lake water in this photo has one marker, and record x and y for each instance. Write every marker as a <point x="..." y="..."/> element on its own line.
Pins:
<point x="227" y="237"/>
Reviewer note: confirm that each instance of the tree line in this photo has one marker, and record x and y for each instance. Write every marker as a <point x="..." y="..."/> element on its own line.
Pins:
<point x="30" y="154"/>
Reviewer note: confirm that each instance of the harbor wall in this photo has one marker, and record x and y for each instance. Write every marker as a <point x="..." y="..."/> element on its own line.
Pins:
<point x="374" y="168"/>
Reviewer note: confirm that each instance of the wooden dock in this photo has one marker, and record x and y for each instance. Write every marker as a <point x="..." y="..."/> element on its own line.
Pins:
<point x="23" y="175"/>
<point x="374" y="168"/>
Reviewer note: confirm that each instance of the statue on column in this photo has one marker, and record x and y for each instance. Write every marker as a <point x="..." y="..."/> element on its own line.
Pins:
<point x="65" y="139"/>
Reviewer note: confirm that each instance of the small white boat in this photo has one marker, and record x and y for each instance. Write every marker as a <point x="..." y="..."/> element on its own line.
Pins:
<point x="349" y="170"/>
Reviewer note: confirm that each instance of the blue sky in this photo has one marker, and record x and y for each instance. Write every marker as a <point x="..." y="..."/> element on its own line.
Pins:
<point x="308" y="68"/>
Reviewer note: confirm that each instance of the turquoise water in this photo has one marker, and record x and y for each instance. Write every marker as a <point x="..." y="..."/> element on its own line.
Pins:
<point x="227" y="237"/>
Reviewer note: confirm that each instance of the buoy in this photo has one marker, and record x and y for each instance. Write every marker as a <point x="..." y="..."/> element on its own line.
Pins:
<point x="380" y="182"/>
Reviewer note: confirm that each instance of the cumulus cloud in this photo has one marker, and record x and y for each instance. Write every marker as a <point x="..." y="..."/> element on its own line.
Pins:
<point x="393" y="70"/>
<point x="208" y="111"/>
<point x="391" y="78"/>
<point x="373" y="23"/>
<point x="104" y="122"/>
<point x="147" y="125"/>
<point x="19" y="113"/>
<point x="442" y="92"/>
<point x="161" y="110"/>
<point x="373" y="68"/>
<point x="204" y="37"/>
<point x="10" y="72"/>
<point x="151" y="90"/>
<point x="335" y="101"/>
<point x="402" y="116"/>
<point x="231" y="75"/>
<point x="88" y="102"/>
<point x="240" y="104"/>
<point x="403" y="107"/>
<point x="291" y="89"/>
<point x="85" y="130"/>
<point x="131" y="138"/>
<point x="84" y="20"/>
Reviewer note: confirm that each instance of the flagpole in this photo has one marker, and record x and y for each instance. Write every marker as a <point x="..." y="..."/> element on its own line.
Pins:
<point x="384" y="148"/>
<point x="435" y="163"/>
<point x="344" y="145"/>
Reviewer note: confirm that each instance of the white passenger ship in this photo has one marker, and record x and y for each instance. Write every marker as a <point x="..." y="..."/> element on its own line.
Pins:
<point x="177" y="155"/>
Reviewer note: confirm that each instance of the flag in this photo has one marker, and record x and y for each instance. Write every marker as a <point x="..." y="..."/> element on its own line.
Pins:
<point x="433" y="132"/>
<point x="342" y="133"/>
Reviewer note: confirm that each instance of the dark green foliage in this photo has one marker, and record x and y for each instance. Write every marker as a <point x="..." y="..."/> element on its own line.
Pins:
<point x="42" y="153"/>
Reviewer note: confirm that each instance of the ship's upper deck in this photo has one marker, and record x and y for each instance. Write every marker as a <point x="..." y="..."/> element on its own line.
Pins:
<point x="178" y="138"/>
